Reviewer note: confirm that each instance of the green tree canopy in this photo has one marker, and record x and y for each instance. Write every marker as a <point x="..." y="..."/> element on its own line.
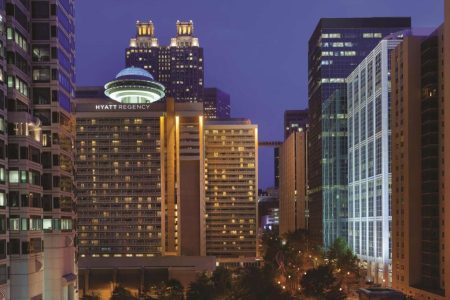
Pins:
<point x="121" y="293"/>
<point x="320" y="283"/>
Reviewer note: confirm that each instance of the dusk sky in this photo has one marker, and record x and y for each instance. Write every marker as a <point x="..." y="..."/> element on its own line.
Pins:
<point x="254" y="50"/>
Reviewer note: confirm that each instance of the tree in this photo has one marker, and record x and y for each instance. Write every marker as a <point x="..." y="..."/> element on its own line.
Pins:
<point x="201" y="289"/>
<point x="167" y="290"/>
<point x="222" y="281"/>
<point x="91" y="297"/>
<point x="320" y="283"/>
<point x="121" y="293"/>
<point x="342" y="256"/>
<point x="258" y="284"/>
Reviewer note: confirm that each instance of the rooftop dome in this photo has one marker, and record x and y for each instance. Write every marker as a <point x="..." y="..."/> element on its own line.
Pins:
<point x="134" y="73"/>
<point x="134" y="85"/>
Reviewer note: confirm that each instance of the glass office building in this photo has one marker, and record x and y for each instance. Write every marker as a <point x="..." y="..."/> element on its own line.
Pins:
<point x="369" y="161"/>
<point x="336" y="47"/>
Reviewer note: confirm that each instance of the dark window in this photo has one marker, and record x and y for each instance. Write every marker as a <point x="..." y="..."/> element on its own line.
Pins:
<point x="14" y="246"/>
<point x="24" y="152"/>
<point x="35" y="155"/>
<point x="53" y="31"/>
<point x="56" y="203"/>
<point x="21" y="17"/>
<point x="35" y="245"/>
<point x="46" y="160"/>
<point x="2" y="224"/>
<point x="41" y="31"/>
<point x="3" y="274"/>
<point x="55" y="117"/>
<point x="13" y="199"/>
<point x="56" y="160"/>
<point x="47" y="202"/>
<point x="25" y="247"/>
<point x="25" y="200"/>
<point x="2" y="149"/>
<point x="2" y="100"/>
<point x="13" y="151"/>
<point x="47" y="181"/>
<point x="2" y="249"/>
<point x="41" y="96"/>
<point x="53" y="9"/>
<point x="56" y="181"/>
<point x="40" y="9"/>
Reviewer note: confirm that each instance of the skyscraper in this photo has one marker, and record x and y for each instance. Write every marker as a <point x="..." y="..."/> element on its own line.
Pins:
<point x="231" y="188"/>
<point x="369" y="161"/>
<point x="216" y="104"/>
<point x="139" y="166"/>
<point x="36" y="167"/>
<point x="293" y="182"/>
<point x="178" y="66"/>
<point x="421" y="159"/>
<point x="336" y="47"/>
<point x="294" y="120"/>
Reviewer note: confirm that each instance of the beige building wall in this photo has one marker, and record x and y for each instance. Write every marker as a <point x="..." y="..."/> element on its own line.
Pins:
<point x="411" y="246"/>
<point x="231" y="188"/>
<point x="293" y="183"/>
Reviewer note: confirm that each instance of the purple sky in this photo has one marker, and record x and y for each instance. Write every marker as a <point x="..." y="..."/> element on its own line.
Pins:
<point x="254" y="50"/>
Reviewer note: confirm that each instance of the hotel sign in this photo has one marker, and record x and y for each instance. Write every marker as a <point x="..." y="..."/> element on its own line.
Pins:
<point x="122" y="107"/>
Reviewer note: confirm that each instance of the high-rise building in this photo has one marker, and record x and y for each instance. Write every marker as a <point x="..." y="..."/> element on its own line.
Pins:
<point x="178" y="66"/>
<point x="231" y="188"/>
<point x="216" y="104"/>
<point x="294" y="120"/>
<point x="369" y="161"/>
<point x="139" y="166"/>
<point x="334" y="166"/>
<point x="36" y="164"/>
<point x="268" y="210"/>
<point x="336" y="47"/>
<point x="293" y="183"/>
<point x="421" y="159"/>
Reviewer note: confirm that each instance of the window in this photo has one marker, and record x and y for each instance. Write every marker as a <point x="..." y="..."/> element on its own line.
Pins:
<point x="2" y="198"/>
<point x="41" y="74"/>
<point x="47" y="224"/>
<point x="13" y="176"/>
<point x="41" y="53"/>
<point x="35" y="223"/>
<point x="2" y="249"/>
<point x="3" y="274"/>
<point x="14" y="223"/>
<point x="66" y="224"/>
<point x="14" y="246"/>
<point x="41" y="31"/>
<point x="40" y="9"/>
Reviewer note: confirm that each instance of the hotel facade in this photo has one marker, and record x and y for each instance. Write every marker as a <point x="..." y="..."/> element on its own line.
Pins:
<point x="156" y="182"/>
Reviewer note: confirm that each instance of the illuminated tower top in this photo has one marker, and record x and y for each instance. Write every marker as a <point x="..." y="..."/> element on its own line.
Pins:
<point x="145" y="35"/>
<point x="185" y="35"/>
<point x="134" y="85"/>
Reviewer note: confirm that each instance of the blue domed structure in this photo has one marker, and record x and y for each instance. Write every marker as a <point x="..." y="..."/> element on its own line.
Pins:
<point x="134" y="85"/>
<point x="133" y="72"/>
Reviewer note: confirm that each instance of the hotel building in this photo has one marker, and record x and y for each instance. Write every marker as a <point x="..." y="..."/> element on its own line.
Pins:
<point x="293" y="183"/>
<point x="369" y="161"/>
<point x="148" y="189"/>
<point x="420" y="164"/>
<point x="231" y="188"/>
<point x="336" y="47"/>
<point x="133" y="158"/>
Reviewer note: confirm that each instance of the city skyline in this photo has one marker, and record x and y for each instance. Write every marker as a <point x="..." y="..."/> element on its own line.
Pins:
<point x="237" y="52"/>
